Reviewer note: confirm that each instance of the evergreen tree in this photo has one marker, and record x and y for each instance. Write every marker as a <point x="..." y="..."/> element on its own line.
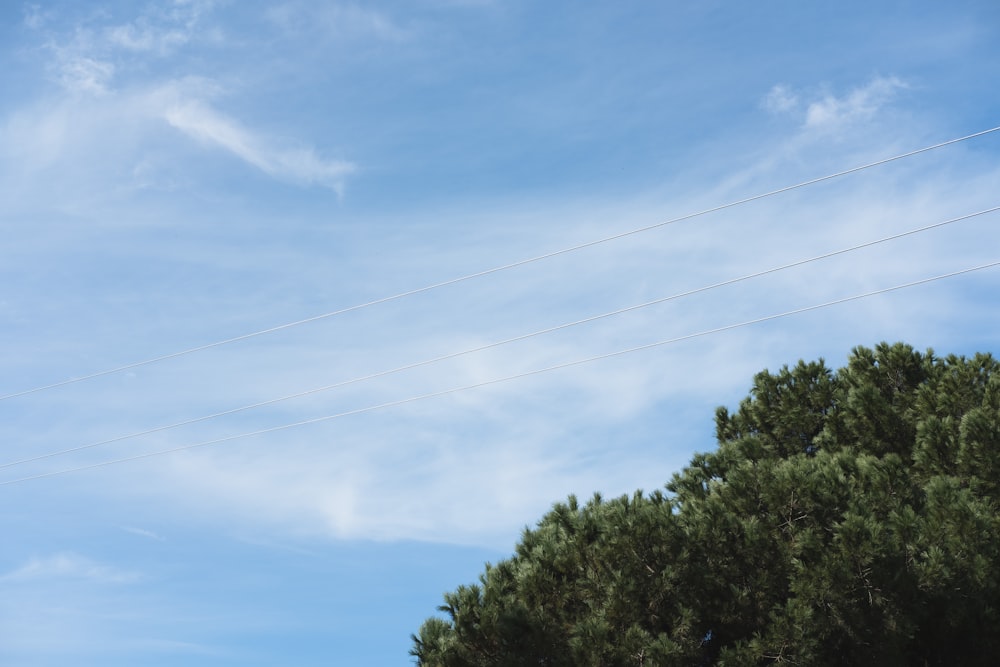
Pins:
<point x="845" y="518"/>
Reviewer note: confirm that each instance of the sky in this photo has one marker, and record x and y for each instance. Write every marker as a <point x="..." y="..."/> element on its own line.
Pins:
<point x="364" y="183"/>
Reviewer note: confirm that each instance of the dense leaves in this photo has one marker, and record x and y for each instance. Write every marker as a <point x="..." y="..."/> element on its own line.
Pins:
<point x="845" y="518"/>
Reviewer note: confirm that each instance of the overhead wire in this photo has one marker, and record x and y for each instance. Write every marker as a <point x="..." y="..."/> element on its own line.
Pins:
<point x="490" y="271"/>
<point x="508" y="378"/>
<point x="495" y="344"/>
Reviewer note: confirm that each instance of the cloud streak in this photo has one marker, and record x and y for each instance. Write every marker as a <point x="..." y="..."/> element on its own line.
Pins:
<point x="299" y="165"/>
<point x="68" y="566"/>
<point x="92" y="65"/>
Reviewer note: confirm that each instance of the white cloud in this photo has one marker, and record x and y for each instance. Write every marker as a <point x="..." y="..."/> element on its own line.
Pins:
<point x="300" y="165"/>
<point x="828" y="111"/>
<point x="354" y="20"/>
<point x="34" y="17"/>
<point x="82" y="74"/>
<point x="88" y="57"/>
<point x="105" y="127"/>
<point x="87" y="60"/>
<point x="135" y="37"/>
<point x="142" y="532"/>
<point x="780" y="99"/>
<point x="430" y="486"/>
<point x="857" y="105"/>
<point x="339" y="21"/>
<point x="68" y="566"/>
<point x="474" y="467"/>
<point x="161" y="29"/>
<point x="470" y="467"/>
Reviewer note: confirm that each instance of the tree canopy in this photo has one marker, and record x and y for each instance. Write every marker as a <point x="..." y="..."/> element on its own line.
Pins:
<point x="845" y="518"/>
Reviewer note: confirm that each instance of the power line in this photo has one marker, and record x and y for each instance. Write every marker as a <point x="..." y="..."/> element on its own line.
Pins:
<point x="454" y="390"/>
<point x="497" y="269"/>
<point x="452" y="355"/>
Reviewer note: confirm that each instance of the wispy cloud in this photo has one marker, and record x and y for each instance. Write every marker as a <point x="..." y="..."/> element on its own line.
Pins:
<point x="780" y="99"/>
<point x="340" y="21"/>
<point x="82" y="74"/>
<point x="827" y="110"/>
<point x="142" y="532"/>
<point x="68" y="566"/>
<point x="35" y="17"/>
<point x="859" y="104"/>
<point x="352" y="19"/>
<point x="140" y="37"/>
<point x="91" y="63"/>
<point x="467" y="468"/>
<point x="299" y="165"/>
<point x="88" y="55"/>
<point x="161" y="30"/>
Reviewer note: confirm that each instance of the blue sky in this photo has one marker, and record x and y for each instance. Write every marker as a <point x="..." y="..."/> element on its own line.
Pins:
<point x="174" y="174"/>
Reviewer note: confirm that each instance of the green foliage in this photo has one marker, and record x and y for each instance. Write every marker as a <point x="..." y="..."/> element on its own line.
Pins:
<point x="845" y="518"/>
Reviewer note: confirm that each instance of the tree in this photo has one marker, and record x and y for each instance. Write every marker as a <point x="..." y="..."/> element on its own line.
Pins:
<point x="845" y="518"/>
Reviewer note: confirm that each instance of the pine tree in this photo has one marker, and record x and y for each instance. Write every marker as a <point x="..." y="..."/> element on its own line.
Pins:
<point x="845" y="518"/>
